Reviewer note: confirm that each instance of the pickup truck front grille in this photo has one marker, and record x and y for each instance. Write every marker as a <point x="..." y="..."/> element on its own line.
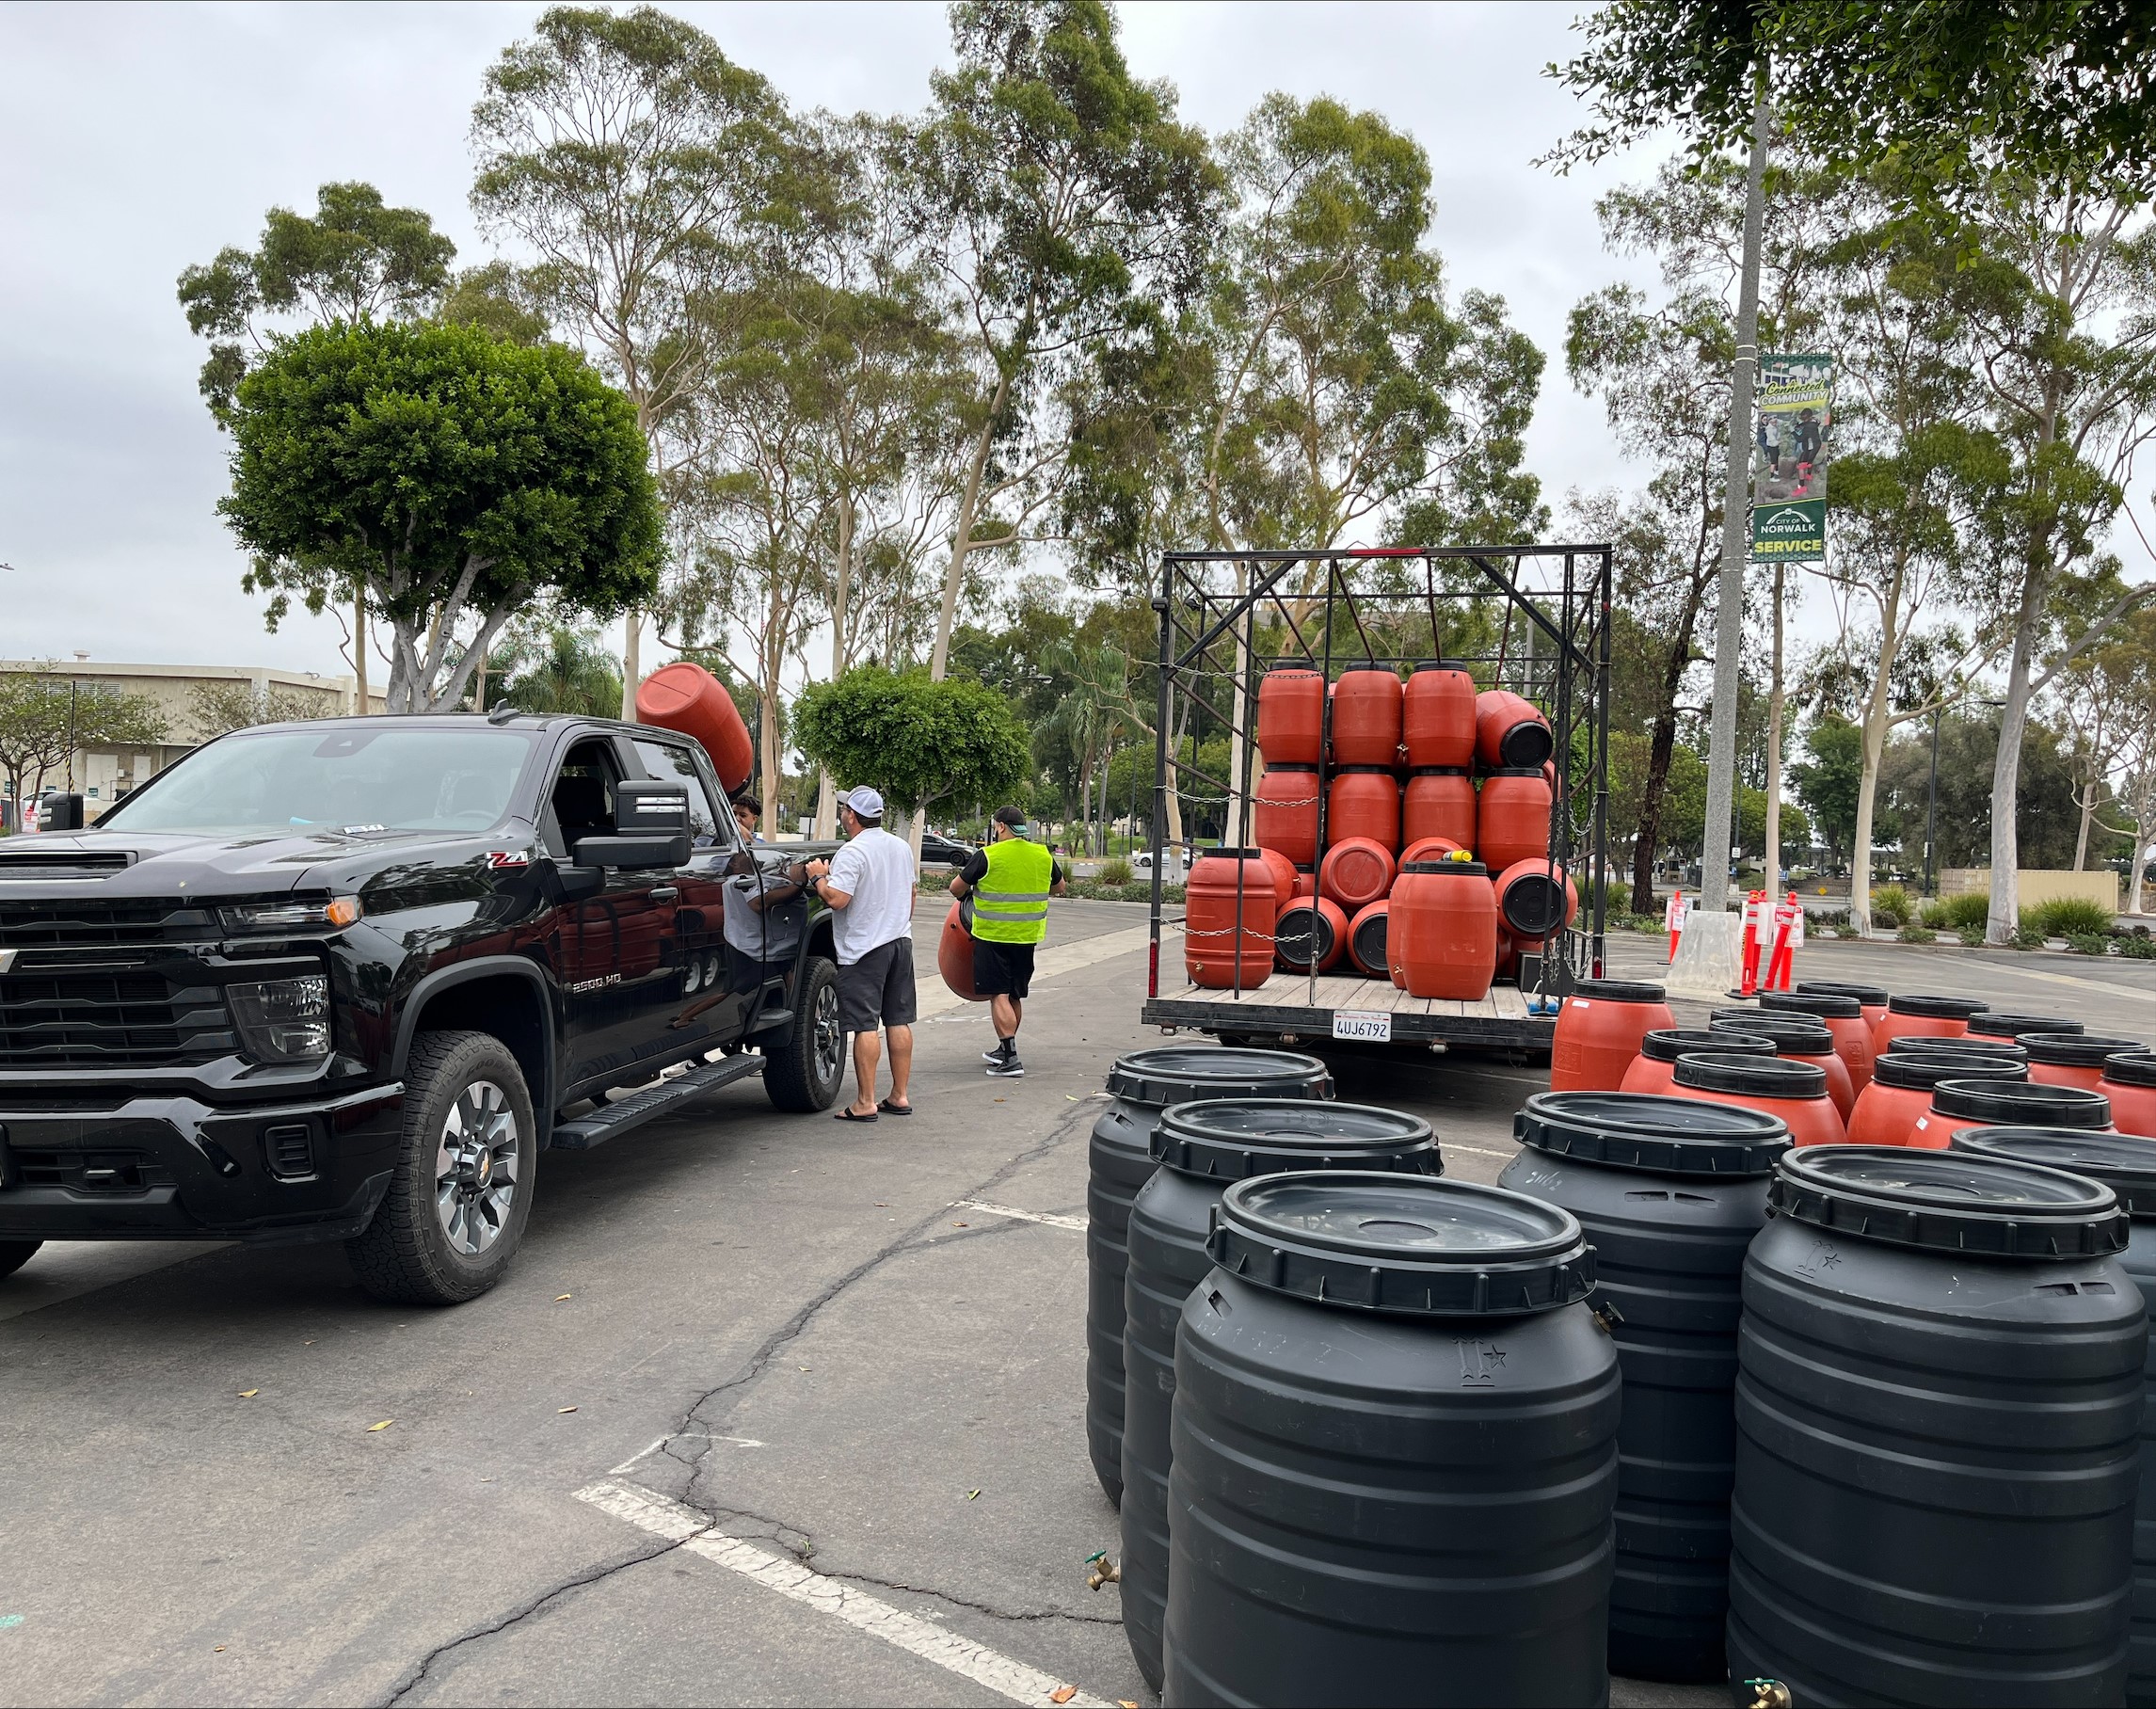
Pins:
<point x="60" y="1019"/>
<point x="145" y="922"/>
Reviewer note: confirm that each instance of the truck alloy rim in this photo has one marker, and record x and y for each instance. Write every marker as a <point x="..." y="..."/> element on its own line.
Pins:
<point x="476" y="1170"/>
<point x="830" y="1041"/>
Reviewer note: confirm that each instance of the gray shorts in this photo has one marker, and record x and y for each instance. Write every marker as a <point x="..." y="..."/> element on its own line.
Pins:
<point x="878" y="990"/>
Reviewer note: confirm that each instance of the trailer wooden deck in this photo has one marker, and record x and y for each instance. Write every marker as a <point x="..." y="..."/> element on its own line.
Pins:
<point x="1286" y="1005"/>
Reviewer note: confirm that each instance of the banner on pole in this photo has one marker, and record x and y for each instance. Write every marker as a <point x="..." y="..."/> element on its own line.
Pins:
<point x="1792" y="450"/>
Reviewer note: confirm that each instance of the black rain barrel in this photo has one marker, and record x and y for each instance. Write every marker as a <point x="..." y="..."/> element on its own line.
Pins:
<point x="1119" y="1161"/>
<point x="2125" y="1163"/>
<point x="1394" y="1438"/>
<point x="1670" y="1192"/>
<point x="1939" y="1412"/>
<point x="1203" y="1149"/>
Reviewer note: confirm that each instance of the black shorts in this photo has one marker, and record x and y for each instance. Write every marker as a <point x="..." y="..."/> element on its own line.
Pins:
<point x="1003" y="970"/>
<point x="878" y="990"/>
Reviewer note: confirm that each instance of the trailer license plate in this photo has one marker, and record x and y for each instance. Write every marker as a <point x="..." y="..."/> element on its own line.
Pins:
<point x="1367" y="1027"/>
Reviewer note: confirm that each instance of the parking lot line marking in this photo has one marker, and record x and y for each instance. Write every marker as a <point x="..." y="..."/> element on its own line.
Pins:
<point x="1077" y="1223"/>
<point x="677" y="1523"/>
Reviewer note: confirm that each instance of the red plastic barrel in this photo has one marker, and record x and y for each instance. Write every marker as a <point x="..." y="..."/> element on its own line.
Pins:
<point x="1899" y="1095"/>
<point x="1961" y="1103"/>
<point x="2072" y="1059"/>
<point x="1442" y="938"/>
<point x="954" y="955"/>
<point x="1510" y="733"/>
<point x="1842" y="1017"/>
<point x="1796" y="1092"/>
<point x="1598" y="1032"/>
<point x="1364" y="800"/>
<point x="1439" y="802"/>
<point x="1367" y="939"/>
<point x="1284" y="812"/>
<point x="1290" y="716"/>
<point x="1535" y="898"/>
<point x="1799" y="1037"/>
<point x="1660" y="1049"/>
<point x="1308" y="929"/>
<point x="2129" y="1082"/>
<point x="1306" y="880"/>
<point x="1434" y="848"/>
<point x="1367" y="717"/>
<point x="1282" y="871"/>
<point x="1214" y="954"/>
<point x="687" y="698"/>
<point x="1513" y="819"/>
<point x="1437" y="716"/>
<point x="1914" y="1016"/>
<point x="1355" y="873"/>
<point x="1871" y="999"/>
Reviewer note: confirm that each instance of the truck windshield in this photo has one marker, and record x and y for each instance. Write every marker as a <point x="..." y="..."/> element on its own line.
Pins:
<point x="338" y="778"/>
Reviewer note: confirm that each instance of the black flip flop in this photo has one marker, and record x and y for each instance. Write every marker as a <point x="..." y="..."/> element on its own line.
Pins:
<point x="847" y="1115"/>
<point x="890" y="1109"/>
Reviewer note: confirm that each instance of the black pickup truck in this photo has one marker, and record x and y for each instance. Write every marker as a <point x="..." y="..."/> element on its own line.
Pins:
<point x="346" y="980"/>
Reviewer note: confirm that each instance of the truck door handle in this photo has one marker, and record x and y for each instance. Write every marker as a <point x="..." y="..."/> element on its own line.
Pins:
<point x="665" y="892"/>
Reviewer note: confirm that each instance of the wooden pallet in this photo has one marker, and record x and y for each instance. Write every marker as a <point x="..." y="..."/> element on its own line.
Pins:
<point x="1289" y="1004"/>
<point x="1331" y="991"/>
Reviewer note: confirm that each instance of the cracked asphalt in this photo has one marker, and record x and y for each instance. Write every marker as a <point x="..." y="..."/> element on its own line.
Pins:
<point x="794" y="1327"/>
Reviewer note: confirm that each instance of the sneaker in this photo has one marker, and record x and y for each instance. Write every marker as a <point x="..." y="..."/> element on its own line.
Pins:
<point x="1007" y="1068"/>
<point x="1004" y="1048"/>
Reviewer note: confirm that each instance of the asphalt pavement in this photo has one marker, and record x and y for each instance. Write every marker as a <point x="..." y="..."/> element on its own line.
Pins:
<point x="770" y="1410"/>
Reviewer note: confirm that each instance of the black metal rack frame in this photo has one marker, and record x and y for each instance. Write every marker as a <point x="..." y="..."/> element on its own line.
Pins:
<point x="1209" y="659"/>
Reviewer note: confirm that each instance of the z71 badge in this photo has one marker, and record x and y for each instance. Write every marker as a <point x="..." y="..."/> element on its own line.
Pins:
<point x="499" y="858"/>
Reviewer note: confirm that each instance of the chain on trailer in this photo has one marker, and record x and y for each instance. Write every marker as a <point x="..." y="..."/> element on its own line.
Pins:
<point x="1534" y="619"/>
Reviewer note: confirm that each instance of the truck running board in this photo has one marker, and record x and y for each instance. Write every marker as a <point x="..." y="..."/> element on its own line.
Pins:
<point x="610" y="1121"/>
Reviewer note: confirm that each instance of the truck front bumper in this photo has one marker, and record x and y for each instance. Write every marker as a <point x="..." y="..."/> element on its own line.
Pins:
<point x="172" y="1167"/>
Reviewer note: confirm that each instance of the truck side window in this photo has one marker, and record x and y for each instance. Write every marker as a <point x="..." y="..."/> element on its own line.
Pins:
<point x="582" y="801"/>
<point x="669" y="763"/>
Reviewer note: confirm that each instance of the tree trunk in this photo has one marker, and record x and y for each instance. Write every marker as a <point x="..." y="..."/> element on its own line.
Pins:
<point x="359" y="652"/>
<point x="826" y="786"/>
<point x="1661" y="748"/>
<point x="2007" y="768"/>
<point x="631" y="668"/>
<point x="962" y="536"/>
<point x="1774" y="705"/>
<point x="2144" y="819"/>
<point x="1877" y="708"/>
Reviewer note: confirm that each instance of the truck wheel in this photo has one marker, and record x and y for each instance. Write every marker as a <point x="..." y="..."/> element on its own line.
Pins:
<point x="15" y="1253"/>
<point x="805" y="1072"/>
<point x="462" y="1190"/>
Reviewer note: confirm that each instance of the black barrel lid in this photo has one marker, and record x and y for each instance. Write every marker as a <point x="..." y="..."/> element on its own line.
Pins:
<point x="1618" y="991"/>
<point x="1806" y="1033"/>
<point x="1921" y="1070"/>
<point x="1403" y="1243"/>
<point x="1367" y="935"/>
<point x="1437" y="771"/>
<point x="1519" y="771"/>
<point x="1438" y="665"/>
<point x="1948" y="1201"/>
<point x="2125" y="1163"/>
<point x="1757" y="1076"/>
<point x="1827" y="1005"/>
<point x="1293" y="667"/>
<point x="1999" y="1104"/>
<point x="2130" y="1068"/>
<point x="1534" y="902"/>
<point x="1348" y="770"/>
<point x="1874" y="995"/>
<point x="1294" y="928"/>
<point x="2076" y="1051"/>
<point x="1985" y="1049"/>
<point x="1642" y="1130"/>
<point x="1174" y="1074"/>
<point x="1990" y="1025"/>
<point x="1666" y="1043"/>
<point x="1274" y="765"/>
<point x="1935" y="1008"/>
<point x="1233" y="1139"/>
<point x="1449" y="869"/>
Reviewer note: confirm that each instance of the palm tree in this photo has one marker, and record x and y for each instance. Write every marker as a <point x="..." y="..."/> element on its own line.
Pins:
<point x="561" y="670"/>
<point x="1095" y="710"/>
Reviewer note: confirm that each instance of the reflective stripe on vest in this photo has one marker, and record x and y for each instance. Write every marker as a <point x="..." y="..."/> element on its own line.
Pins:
<point x="1011" y="902"/>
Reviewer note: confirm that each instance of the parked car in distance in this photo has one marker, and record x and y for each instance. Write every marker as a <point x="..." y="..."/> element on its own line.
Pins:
<point x="937" y="850"/>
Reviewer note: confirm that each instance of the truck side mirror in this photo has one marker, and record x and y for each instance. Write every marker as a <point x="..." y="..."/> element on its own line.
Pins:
<point x="653" y="829"/>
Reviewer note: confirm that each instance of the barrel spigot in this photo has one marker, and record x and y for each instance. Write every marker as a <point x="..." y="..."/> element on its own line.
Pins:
<point x="1105" y="1571"/>
<point x="1768" y="1694"/>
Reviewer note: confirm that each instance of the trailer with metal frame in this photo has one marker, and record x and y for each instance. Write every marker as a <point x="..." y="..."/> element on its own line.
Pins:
<point x="1534" y="619"/>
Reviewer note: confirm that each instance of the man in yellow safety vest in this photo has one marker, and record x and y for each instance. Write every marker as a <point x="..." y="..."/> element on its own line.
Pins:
<point x="1007" y="886"/>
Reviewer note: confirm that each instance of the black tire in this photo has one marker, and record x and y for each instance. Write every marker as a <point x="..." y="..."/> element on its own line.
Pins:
<point x="803" y="1073"/>
<point x="446" y="1230"/>
<point x="15" y="1253"/>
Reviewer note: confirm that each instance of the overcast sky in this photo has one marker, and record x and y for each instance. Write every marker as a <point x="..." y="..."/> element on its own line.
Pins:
<point x="141" y="139"/>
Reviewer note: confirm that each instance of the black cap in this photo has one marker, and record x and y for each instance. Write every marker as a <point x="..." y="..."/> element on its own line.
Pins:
<point x="1366" y="932"/>
<point x="1640" y="1130"/>
<point x="1926" y="1043"/>
<point x="2125" y="1163"/>
<point x="1403" y="1243"/>
<point x="2077" y="1050"/>
<point x="1437" y="771"/>
<point x="1437" y="664"/>
<point x="1827" y="1005"/>
<point x="2130" y="1068"/>
<point x="1921" y="1071"/>
<point x="1620" y="991"/>
<point x="1233" y="1139"/>
<point x="2007" y="1104"/>
<point x="1935" y="1008"/>
<point x="1758" y="1076"/>
<point x="1533" y="904"/>
<point x="1874" y="995"/>
<point x="1302" y="933"/>
<point x="1948" y="1201"/>
<point x="1174" y="1074"/>
<point x="1803" y="1033"/>
<point x="1666" y="1043"/>
<point x="1449" y="869"/>
<point x="1990" y="1025"/>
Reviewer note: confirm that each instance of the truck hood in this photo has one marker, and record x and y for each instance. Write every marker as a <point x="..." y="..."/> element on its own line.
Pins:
<point x="117" y="863"/>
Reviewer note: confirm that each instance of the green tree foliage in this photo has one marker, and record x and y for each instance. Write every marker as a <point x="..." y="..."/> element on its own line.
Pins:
<point x="2060" y="88"/>
<point x="1828" y="780"/>
<point x="918" y="741"/>
<point x="452" y="473"/>
<point x="214" y="708"/>
<point x="354" y="260"/>
<point x="557" y="670"/>
<point x="45" y="717"/>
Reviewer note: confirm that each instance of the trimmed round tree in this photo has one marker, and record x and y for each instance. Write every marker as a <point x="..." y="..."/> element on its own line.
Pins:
<point x="915" y="740"/>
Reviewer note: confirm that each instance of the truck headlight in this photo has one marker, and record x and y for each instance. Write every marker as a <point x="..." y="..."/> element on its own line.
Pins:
<point x="293" y="916"/>
<point x="283" y="1020"/>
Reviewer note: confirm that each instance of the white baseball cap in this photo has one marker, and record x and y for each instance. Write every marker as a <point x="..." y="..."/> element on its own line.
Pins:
<point x="865" y="802"/>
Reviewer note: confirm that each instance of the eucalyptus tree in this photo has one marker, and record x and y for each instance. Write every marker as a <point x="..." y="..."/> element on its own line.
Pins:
<point x="639" y="168"/>
<point x="1058" y="200"/>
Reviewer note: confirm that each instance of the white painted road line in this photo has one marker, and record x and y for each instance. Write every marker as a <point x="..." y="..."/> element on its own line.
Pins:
<point x="677" y="1523"/>
<point x="1077" y="1223"/>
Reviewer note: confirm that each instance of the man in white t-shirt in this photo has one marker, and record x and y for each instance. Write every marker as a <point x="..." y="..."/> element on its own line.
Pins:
<point x="870" y="884"/>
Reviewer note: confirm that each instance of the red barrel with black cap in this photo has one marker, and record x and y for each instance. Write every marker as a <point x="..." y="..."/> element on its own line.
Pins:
<point x="1600" y="1026"/>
